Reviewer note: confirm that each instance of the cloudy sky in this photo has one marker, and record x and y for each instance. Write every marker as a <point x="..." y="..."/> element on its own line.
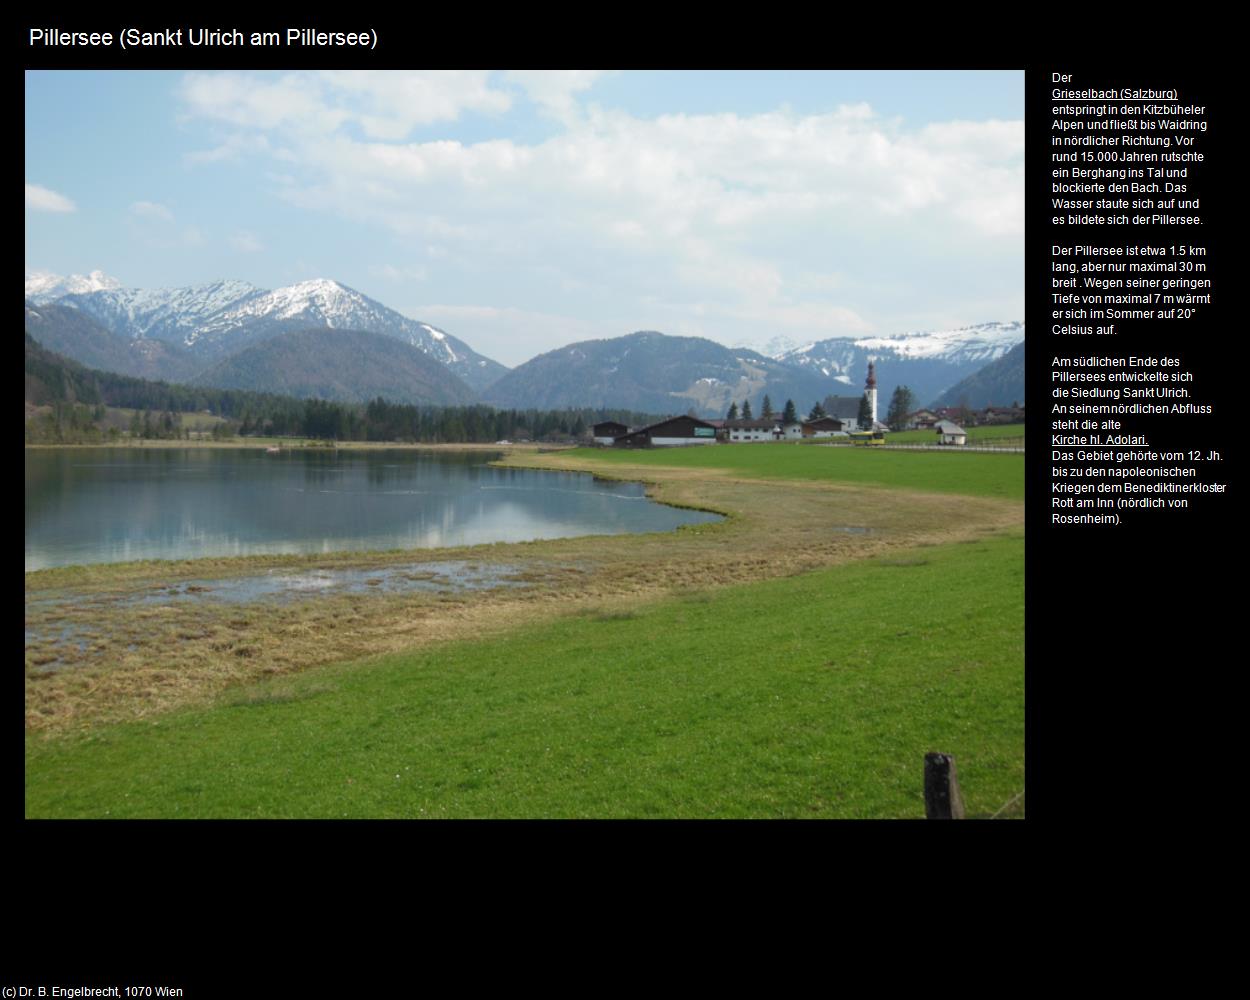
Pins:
<point x="524" y="210"/>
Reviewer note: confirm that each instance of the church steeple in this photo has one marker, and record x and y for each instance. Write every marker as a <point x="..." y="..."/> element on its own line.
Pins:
<point x="870" y="393"/>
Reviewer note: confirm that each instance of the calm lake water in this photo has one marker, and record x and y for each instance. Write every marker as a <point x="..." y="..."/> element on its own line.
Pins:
<point x="114" y="505"/>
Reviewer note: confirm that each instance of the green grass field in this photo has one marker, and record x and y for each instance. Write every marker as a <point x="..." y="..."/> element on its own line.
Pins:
<point x="814" y="696"/>
<point x="975" y="474"/>
<point x="810" y="695"/>
<point x="989" y="435"/>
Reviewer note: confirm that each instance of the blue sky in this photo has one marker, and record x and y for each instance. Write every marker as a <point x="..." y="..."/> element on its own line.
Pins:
<point x="525" y="210"/>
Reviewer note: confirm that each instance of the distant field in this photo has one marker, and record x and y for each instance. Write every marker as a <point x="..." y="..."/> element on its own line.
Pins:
<point x="976" y="474"/>
<point x="120" y="416"/>
<point x="810" y="696"/>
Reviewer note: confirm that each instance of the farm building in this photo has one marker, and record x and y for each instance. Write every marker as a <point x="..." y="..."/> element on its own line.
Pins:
<point x="773" y="429"/>
<point x="673" y="432"/>
<point x="950" y="433"/>
<point x="823" y="427"/>
<point x="607" y="432"/>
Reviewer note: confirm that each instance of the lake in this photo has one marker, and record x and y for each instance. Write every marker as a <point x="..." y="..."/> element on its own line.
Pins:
<point x="95" y="505"/>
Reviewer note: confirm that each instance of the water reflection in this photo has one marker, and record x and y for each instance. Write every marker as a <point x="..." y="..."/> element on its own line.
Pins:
<point x="112" y="505"/>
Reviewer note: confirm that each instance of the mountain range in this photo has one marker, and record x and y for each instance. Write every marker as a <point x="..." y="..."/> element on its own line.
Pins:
<point x="655" y="372"/>
<point x="321" y="338"/>
<point x="207" y="323"/>
<point x="1000" y="383"/>
<point x="927" y="362"/>
<point x="342" y="366"/>
<point x="77" y="335"/>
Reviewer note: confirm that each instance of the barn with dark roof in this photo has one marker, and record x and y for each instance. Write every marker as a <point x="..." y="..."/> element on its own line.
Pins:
<point x="608" y="431"/>
<point x="675" y="431"/>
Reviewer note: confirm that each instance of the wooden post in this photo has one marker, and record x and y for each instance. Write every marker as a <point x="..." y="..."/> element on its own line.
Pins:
<point x="942" y="798"/>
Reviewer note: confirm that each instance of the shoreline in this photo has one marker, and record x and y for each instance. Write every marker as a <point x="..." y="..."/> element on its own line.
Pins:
<point x="131" y="659"/>
<point x="98" y="574"/>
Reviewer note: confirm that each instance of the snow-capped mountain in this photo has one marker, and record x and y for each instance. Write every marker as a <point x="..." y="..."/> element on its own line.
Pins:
<point x="216" y="320"/>
<point x="170" y="314"/>
<point x="44" y="286"/>
<point x="928" y="362"/>
<point x="773" y="347"/>
<point x="979" y="344"/>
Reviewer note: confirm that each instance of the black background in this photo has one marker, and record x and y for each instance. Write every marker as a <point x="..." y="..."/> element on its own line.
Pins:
<point x="1125" y="627"/>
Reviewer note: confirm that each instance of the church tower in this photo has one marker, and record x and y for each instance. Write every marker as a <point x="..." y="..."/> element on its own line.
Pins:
<point x="870" y="393"/>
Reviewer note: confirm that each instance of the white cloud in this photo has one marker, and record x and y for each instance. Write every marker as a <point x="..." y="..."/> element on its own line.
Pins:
<point x="389" y="105"/>
<point x="670" y="175"/>
<point x="255" y="101"/>
<point x="741" y="216"/>
<point x="555" y="90"/>
<point x="383" y="104"/>
<point x="43" y="199"/>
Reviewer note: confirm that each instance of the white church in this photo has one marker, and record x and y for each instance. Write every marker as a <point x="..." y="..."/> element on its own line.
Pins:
<point x="846" y="408"/>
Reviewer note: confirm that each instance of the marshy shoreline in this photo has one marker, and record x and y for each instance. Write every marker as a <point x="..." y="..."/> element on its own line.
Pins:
<point x="143" y="656"/>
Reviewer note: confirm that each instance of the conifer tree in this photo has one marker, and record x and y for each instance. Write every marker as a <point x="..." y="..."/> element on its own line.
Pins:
<point x="865" y="414"/>
<point x="901" y="404"/>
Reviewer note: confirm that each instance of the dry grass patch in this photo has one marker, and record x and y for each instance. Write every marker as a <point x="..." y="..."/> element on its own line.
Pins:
<point x="109" y="658"/>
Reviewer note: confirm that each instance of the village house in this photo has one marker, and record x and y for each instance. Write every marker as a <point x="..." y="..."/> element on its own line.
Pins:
<point x="956" y="414"/>
<point x="841" y="417"/>
<point x="757" y="429"/>
<point x="1013" y="414"/>
<point x="773" y="429"/>
<point x="951" y="433"/>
